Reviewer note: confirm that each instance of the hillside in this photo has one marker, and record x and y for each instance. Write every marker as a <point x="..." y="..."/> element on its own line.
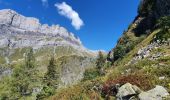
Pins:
<point x="140" y="61"/>
<point x="41" y="62"/>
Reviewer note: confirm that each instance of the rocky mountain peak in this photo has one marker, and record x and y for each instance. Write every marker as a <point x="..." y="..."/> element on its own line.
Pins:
<point x="13" y="23"/>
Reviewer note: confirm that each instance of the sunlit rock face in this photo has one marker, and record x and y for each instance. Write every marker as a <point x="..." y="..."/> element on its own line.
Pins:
<point x="20" y="31"/>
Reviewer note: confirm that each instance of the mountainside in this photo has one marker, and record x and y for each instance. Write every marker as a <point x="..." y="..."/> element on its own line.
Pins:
<point x="140" y="61"/>
<point x="137" y="68"/>
<point x="19" y="33"/>
<point x="149" y="12"/>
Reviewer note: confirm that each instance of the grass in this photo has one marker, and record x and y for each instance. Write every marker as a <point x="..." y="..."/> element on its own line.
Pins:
<point x="145" y="74"/>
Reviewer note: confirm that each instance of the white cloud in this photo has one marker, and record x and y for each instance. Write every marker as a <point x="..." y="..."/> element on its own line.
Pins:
<point x="65" y="10"/>
<point x="45" y="3"/>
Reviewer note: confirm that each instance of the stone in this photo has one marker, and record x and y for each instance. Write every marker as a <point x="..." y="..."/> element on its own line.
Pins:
<point x="127" y="91"/>
<point x="158" y="93"/>
<point x="162" y="78"/>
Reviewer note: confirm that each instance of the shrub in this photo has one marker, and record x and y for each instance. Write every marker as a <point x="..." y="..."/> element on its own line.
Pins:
<point x="100" y="62"/>
<point x="164" y="24"/>
<point x="90" y="74"/>
<point x="141" y="80"/>
<point x="119" y="52"/>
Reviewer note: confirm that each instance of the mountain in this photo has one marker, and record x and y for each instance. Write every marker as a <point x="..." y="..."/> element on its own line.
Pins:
<point x="140" y="61"/>
<point x="137" y="68"/>
<point x="19" y="33"/>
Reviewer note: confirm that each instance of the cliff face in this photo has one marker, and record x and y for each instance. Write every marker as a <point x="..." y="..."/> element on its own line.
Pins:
<point x="20" y="31"/>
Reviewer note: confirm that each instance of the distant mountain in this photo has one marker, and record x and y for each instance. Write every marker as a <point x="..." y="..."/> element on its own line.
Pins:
<point x="19" y="33"/>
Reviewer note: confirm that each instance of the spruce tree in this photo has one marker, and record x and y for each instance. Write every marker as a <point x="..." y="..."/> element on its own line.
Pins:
<point x="52" y="75"/>
<point x="50" y="80"/>
<point x="100" y="62"/>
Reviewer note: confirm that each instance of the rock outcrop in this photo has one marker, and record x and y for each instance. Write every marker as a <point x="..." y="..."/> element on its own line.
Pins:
<point x="132" y="92"/>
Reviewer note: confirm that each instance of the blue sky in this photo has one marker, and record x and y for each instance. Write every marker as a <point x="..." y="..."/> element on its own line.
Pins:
<point x="104" y="20"/>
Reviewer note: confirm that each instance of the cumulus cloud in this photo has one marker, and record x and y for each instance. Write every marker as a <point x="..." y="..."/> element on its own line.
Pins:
<point x="45" y="3"/>
<point x="66" y="10"/>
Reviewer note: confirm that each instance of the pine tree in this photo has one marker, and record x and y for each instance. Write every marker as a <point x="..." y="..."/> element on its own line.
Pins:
<point x="52" y="76"/>
<point x="100" y="62"/>
<point x="50" y="81"/>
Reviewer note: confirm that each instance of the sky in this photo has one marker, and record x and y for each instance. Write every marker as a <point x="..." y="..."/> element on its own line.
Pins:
<point x="98" y="23"/>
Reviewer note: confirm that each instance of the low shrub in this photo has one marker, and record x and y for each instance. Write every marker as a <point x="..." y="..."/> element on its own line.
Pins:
<point x="90" y="74"/>
<point x="141" y="80"/>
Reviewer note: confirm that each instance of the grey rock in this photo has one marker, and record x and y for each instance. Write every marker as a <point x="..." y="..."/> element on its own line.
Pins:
<point x="127" y="91"/>
<point x="155" y="94"/>
<point x="5" y="72"/>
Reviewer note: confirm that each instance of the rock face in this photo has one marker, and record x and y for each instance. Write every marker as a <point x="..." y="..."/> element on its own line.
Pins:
<point x="20" y="31"/>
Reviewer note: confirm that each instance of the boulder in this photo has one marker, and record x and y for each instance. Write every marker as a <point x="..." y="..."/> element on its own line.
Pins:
<point x="155" y="94"/>
<point x="127" y="91"/>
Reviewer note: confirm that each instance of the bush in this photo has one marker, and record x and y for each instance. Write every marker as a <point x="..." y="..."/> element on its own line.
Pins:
<point x="141" y="80"/>
<point x="90" y="74"/>
<point x="119" y="52"/>
<point x="164" y="24"/>
<point x="100" y="62"/>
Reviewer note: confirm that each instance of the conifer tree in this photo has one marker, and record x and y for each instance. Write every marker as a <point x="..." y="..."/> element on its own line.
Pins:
<point x="100" y="62"/>
<point x="50" y="80"/>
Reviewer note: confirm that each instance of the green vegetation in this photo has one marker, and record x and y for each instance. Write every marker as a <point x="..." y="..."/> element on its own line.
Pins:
<point x="90" y="74"/>
<point x="24" y="78"/>
<point x="100" y="62"/>
<point x="164" y="24"/>
<point x="50" y="80"/>
<point x="146" y="7"/>
<point x="34" y="77"/>
<point x="145" y="73"/>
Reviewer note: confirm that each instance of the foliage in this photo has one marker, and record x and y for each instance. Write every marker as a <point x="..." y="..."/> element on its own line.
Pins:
<point x="100" y="63"/>
<point x="164" y="24"/>
<point x="119" y="52"/>
<point x="90" y="74"/>
<point x="24" y="77"/>
<point x="100" y="60"/>
<point x="87" y="90"/>
<point x="146" y="7"/>
<point x="141" y="80"/>
<point x="50" y="80"/>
